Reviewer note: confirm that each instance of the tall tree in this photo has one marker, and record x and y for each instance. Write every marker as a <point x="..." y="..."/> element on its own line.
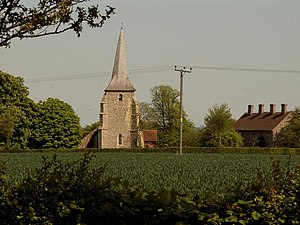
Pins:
<point x="57" y="126"/>
<point x="147" y="120"/>
<point x="48" y="17"/>
<point x="165" y="108"/>
<point x="219" y="127"/>
<point x="14" y="95"/>
<point x="7" y="123"/>
<point x="289" y="135"/>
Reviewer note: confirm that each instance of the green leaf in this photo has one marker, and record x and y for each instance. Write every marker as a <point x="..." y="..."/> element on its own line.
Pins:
<point x="255" y="215"/>
<point x="242" y="202"/>
<point x="188" y="201"/>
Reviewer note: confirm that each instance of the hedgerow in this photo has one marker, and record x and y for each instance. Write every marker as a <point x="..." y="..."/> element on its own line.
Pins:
<point x="62" y="192"/>
<point x="234" y="150"/>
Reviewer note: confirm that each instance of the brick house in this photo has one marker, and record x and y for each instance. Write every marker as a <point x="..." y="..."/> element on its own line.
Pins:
<point x="150" y="138"/>
<point x="262" y="128"/>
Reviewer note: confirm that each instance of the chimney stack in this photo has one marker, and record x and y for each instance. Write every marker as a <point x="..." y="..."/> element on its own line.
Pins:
<point x="261" y="108"/>
<point x="283" y="108"/>
<point x="272" y="108"/>
<point x="250" y="109"/>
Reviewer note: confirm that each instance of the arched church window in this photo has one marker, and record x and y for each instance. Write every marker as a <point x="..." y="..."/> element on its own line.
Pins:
<point x="120" y="139"/>
<point x="120" y="97"/>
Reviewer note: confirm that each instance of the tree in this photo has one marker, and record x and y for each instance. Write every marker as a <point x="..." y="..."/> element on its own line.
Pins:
<point x="147" y="120"/>
<point x="218" y="129"/>
<point x="14" y="96"/>
<point x="48" y="17"/>
<point x="192" y="138"/>
<point x="88" y="128"/>
<point x="163" y="114"/>
<point x="57" y="126"/>
<point x="289" y="135"/>
<point x="166" y="107"/>
<point x="7" y="123"/>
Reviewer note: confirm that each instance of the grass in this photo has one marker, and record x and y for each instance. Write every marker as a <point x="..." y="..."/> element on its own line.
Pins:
<point x="204" y="174"/>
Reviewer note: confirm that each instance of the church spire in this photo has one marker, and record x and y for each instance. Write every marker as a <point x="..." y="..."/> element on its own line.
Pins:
<point x="119" y="80"/>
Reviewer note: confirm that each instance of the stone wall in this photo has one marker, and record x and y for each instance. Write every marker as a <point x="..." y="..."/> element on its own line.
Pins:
<point x="119" y="120"/>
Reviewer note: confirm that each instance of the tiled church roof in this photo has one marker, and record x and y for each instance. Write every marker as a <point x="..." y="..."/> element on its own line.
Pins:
<point x="119" y="80"/>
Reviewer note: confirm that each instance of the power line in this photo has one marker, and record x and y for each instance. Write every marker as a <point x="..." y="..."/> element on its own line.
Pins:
<point x="246" y="69"/>
<point x="94" y="75"/>
<point x="157" y="69"/>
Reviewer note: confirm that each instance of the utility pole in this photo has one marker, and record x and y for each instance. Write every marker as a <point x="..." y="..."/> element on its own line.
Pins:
<point x="182" y="71"/>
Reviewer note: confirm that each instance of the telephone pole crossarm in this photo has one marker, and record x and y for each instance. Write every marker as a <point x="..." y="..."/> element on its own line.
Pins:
<point x="182" y="71"/>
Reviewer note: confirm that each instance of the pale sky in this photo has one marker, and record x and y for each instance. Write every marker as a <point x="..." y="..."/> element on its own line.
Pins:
<point x="159" y="34"/>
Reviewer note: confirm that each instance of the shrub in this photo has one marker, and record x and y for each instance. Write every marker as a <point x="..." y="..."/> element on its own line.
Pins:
<point x="275" y="199"/>
<point x="73" y="193"/>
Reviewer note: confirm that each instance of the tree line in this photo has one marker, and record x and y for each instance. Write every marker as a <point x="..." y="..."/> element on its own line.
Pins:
<point x="53" y="123"/>
<point x="163" y="114"/>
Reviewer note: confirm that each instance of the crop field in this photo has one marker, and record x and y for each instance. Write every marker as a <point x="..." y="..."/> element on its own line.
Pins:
<point x="190" y="173"/>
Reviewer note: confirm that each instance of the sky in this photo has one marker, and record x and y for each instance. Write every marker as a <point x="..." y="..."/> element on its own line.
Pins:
<point x="228" y="43"/>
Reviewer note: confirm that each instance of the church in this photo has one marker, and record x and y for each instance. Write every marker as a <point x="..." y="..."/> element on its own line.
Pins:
<point x="119" y="114"/>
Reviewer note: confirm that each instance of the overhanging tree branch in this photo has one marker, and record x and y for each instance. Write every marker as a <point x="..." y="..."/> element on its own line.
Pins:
<point x="49" y="17"/>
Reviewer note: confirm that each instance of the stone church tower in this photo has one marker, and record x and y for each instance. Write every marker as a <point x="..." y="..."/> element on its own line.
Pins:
<point x="119" y="119"/>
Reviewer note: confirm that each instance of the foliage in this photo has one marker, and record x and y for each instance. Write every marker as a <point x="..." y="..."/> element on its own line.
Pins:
<point x="219" y="128"/>
<point x="167" y="139"/>
<point x="166" y="107"/>
<point x="273" y="200"/>
<point x="147" y="120"/>
<point x="163" y="114"/>
<point x="191" y="138"/>
<point x="88" y="128"/>
<point x="7" y="122"/>
<point x="201" y="173"/>
<point x="74" y="193"/>
<point x="14" y="96"/>
<point x="289" y="136"/>
<point x="12" y="90"/>
<point x="48" y="17"/>
<point x="57" y="126"/>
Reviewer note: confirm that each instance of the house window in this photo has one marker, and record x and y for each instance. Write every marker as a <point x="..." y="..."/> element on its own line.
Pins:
<point x="120" y="97"/>
<point x="101" y="107"/>
<point x="120" y="139"/>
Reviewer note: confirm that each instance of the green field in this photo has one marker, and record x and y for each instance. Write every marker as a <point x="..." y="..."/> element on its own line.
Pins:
<point x="190" y="173"/>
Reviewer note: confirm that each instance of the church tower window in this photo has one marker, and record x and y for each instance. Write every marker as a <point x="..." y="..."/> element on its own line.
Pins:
<point x="120" y="140"/>
<point x="101" y="120"/>
<point x="101" y="107"/>
<point x="120" y="97"/>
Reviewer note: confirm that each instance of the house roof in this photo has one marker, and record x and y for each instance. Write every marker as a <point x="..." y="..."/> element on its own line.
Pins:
<point x="260" y="121"/>
<point x="150" y="135"/>
<point x="119" y="80"/>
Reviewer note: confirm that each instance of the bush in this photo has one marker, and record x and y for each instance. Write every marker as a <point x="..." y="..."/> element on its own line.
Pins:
<point x="273" y="199"/>
<point x="73" y="193"/>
